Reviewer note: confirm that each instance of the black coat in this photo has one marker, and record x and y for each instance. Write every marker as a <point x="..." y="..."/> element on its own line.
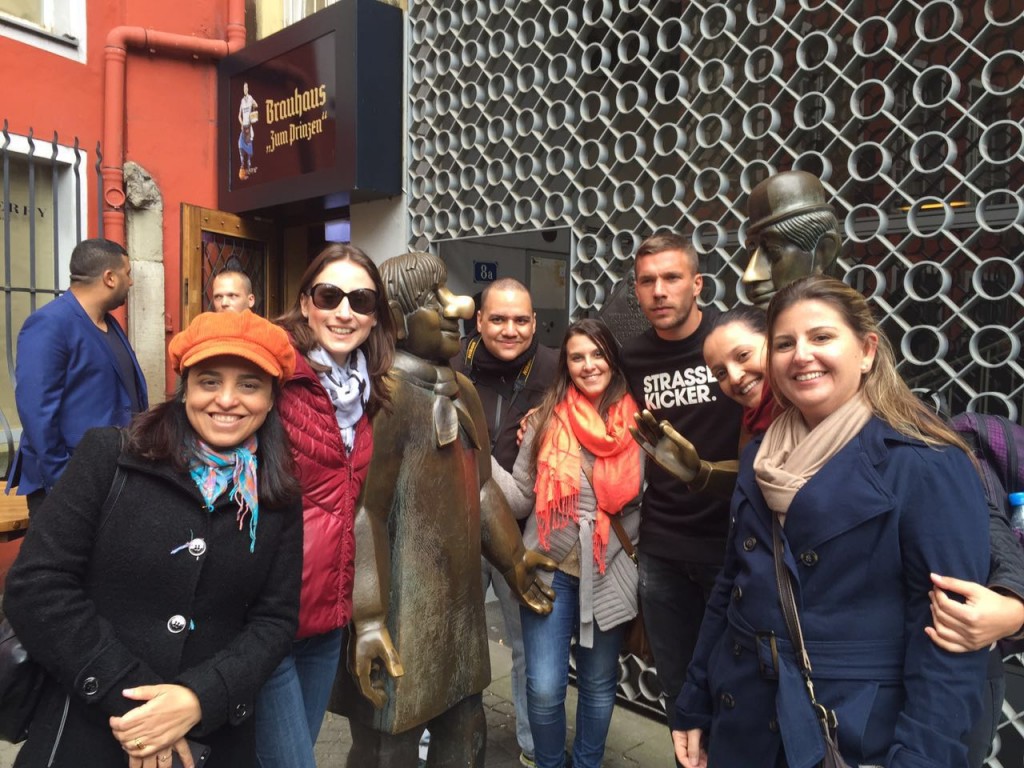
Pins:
<point x="100" y="600"/>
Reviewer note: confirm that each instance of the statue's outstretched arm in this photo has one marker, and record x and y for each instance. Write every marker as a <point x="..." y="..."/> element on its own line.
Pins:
<point x="675" y="454"/>
<point x="500" y="540"/>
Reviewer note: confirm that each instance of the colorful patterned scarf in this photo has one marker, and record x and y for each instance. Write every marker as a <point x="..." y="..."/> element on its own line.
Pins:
<point x="212" y="470"/>
<point x="575" y="423"/>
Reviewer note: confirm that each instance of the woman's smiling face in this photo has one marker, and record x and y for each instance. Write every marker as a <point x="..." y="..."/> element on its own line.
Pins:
<point x="341" y="329"/>
<point x="817" y="361"/>
<point x="736" y="356"/>
<point x="227" y="399"/>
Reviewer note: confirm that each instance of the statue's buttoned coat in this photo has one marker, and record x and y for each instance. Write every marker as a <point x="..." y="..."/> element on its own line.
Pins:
<point x="154" y="589"/>
<point x="860" y="539"/>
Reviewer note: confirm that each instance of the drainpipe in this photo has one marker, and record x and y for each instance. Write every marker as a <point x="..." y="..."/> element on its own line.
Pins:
<point x="119" y="40"/>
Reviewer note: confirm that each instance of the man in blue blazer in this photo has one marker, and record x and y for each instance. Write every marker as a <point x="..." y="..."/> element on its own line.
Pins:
<point x="75" y="369"/>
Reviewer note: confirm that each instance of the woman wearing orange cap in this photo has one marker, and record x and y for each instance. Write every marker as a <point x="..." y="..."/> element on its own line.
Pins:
<point x="344" y="338"/>
<point x="158" y="585"/>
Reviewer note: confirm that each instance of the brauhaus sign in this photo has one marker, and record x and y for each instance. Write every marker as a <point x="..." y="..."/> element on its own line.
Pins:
<point x="314" y="111"/>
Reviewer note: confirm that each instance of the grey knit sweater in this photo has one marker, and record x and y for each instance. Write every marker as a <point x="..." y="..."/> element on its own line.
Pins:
<point x="609" y="598"/>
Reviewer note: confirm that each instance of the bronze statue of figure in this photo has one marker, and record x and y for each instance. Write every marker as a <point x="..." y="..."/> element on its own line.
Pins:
<point x="792" y="232"/>
<point x="429" y="509"/>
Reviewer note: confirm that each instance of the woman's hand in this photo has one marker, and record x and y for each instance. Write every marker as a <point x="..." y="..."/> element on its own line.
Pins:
<point x="688" y="750"/>
<point x="162" y="759"/>
<point x="984" y="617"/>
<point x="169" y="713"/>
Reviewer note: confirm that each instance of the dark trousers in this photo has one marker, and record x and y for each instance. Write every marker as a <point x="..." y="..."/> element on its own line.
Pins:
<point x="979" y="740"/>
<point x="673" y="595"/>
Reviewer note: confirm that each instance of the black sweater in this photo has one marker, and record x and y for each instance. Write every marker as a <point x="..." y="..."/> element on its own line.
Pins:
<point x="671" y="379"/>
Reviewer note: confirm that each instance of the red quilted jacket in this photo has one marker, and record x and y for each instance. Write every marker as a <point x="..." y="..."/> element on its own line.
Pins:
<point x="331" y="479"/>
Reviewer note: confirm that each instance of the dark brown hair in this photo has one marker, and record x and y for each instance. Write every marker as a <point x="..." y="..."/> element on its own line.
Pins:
<point x="601" y="335"/>
<point x="379" y="346"/>
<point x="162" y="433"/>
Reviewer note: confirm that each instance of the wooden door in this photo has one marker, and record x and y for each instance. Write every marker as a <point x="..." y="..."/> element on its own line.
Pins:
<point x="213" y="241"/>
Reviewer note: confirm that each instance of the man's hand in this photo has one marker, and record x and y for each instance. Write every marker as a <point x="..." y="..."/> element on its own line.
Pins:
<point x="523" y="424"/>
<point x="522" y="579"/>
<point x="984" y="617"/>
<point x="666" y="447"/>
<point x="373" y="644"/>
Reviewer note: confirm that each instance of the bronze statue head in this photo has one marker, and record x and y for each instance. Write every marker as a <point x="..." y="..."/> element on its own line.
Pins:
<point x="426" y="312"/>
<point x="792" y="232"/>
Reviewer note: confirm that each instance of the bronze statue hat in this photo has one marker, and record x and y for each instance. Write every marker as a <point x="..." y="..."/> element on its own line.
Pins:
<point x="782" y="196"/>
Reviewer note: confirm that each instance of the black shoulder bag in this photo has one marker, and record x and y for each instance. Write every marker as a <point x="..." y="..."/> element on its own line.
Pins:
<point x="21" y="679"/>
<point x="826" y="717"/>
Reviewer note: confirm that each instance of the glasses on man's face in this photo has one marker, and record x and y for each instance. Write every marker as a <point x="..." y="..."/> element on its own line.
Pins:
<point x="327" y="297"/>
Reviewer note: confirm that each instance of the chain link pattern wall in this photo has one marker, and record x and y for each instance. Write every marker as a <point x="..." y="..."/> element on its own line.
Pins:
<point x="619" y="117"/>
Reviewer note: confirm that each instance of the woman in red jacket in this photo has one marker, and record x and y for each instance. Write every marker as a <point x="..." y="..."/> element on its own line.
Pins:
<point x="344" y="338"/>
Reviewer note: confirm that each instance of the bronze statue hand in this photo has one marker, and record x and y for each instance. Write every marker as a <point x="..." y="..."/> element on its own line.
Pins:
<point x="522" y="579"/>
<point x="666" y="447"/>
<point x="373" y="644"/>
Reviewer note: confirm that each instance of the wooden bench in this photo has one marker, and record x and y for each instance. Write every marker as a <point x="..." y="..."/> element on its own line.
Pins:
<point x="13" y="516"/>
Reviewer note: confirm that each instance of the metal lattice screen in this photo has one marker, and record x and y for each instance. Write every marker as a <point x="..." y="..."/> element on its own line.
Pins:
<point x="621" y="117"/>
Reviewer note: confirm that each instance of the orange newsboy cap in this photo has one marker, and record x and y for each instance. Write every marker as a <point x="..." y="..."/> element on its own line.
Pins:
<point x="240" y="334"/>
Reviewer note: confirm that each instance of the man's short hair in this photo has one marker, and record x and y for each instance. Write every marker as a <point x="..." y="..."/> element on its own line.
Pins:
<point x="91" y="258"/>
<point x="246" y="282"/>
<point x="501" y="284"/>
<point x="667" y="241"/>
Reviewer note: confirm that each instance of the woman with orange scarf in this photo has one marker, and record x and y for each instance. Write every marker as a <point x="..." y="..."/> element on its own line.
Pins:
<point x="578" y="478"/>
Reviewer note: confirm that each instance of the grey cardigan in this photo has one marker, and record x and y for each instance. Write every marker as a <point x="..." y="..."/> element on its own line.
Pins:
<point x="610" y="598"/>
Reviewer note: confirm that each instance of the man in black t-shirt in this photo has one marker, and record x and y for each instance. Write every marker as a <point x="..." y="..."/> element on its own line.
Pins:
<point x="682" y="534"/>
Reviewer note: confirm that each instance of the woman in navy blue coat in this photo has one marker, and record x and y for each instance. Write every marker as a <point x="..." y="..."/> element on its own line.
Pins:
<point x="874" y="494"/>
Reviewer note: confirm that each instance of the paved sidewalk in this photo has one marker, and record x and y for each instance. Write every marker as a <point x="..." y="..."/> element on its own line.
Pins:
<point x="634" y="739"/>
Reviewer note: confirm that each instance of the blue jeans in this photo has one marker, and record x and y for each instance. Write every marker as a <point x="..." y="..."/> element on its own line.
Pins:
<point x="514" y="631"/>
<point x="546" y="640"/>
<point x="291" y="706"/>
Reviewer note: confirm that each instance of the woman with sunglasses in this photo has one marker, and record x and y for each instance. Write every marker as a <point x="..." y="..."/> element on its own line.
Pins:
<point x="344" y="339"/>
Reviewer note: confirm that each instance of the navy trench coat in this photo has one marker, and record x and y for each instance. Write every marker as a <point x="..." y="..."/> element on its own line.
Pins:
<point x="860" y="539"/>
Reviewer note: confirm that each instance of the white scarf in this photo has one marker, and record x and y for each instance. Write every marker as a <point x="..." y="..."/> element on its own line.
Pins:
<point x="348" y="386"/>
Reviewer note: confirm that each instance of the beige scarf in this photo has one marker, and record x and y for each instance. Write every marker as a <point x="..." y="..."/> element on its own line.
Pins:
<point x="791" y="454"/>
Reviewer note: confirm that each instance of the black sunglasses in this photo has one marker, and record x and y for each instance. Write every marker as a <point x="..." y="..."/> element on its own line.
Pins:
<point x="327" y="297"/>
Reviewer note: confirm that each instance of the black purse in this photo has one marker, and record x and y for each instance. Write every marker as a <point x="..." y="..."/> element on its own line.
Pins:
<point x="826" y="717"/>
<point x="21" y="679"/>
<point x="21" y="684"/>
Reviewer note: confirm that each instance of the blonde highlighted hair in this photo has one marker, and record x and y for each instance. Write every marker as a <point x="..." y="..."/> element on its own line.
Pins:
<point x="889" y="396"/>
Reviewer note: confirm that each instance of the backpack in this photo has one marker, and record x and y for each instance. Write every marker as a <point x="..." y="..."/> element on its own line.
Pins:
<point x="998" y="445"/>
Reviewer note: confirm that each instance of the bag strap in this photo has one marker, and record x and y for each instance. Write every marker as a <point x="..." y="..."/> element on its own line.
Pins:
<point x="620" y="532"/>
<point x="117" y="484"/>
<point x="788" y="602"/>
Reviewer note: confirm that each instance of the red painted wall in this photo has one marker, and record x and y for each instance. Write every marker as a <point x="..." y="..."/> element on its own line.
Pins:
<point x="170" y="120"/>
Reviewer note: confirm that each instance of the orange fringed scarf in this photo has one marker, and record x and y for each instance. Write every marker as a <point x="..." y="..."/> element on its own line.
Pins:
<point x="576" y="422"/>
